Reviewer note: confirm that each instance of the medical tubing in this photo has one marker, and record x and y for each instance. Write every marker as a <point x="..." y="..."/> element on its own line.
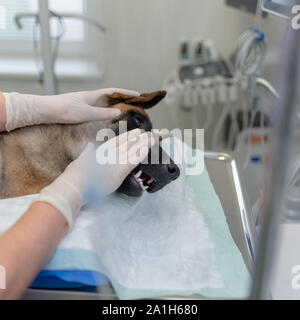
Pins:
<point x="219" y="126"/>
<point x="250" y="42"/>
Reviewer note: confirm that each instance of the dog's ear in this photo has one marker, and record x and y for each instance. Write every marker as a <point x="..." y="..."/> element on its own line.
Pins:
<point x="145" y="100"/>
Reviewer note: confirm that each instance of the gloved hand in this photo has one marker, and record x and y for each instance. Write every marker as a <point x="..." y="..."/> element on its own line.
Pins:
<point x="67" y="192"/>
<point x="75" y="107"/>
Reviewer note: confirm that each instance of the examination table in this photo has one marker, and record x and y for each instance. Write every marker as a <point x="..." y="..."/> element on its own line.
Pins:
<point x="228" y="184"/>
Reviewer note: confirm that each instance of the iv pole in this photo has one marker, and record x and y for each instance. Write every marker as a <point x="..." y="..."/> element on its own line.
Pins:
<point x="46" y="48"/>
<point x="43" y="17"/>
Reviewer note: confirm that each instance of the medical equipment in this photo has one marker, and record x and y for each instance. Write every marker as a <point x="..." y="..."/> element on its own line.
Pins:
<point x="260" y="120"/>
<point x="184" y="51"/>
<point x="193" y="85"/>
<point x="222" y="93"/>
<point x="252" y="148"/>
<point x="223" y="172"/>
<point x="281" y="8"/>
<point x="249" y="6"/>
<point x="49" y="54"/>
<point x="225" y="97"/>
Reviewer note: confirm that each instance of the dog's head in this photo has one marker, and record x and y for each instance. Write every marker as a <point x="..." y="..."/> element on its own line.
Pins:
<point x="145" y="177"/>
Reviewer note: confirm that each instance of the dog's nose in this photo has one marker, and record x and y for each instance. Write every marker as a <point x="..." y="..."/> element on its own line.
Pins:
<point x="173" y="170"/>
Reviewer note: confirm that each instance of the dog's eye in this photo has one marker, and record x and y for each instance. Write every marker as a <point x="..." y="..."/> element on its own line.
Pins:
<point x="137" y="121"/>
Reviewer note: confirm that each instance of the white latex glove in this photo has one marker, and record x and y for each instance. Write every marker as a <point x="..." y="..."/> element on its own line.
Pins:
<point x="67" y="192"/>
<point x="75" y="107"/>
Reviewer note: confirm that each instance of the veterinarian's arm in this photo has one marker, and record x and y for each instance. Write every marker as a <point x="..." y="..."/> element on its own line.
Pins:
<point x="28" y="245"/>
<point x="21" y="110"/>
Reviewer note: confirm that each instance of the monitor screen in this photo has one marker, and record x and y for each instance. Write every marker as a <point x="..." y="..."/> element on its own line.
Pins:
<point x="244" y="5"/>
<point x="279" y="7"/>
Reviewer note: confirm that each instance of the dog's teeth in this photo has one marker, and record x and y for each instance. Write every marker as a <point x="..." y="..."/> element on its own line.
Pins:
<point x="137" y="175"/>
<point x="151" y="180"/>
<point x="140" y="181"/>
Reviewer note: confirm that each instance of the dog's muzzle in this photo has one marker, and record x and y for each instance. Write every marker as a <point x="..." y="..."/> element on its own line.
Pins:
<point x="150" y="177"/>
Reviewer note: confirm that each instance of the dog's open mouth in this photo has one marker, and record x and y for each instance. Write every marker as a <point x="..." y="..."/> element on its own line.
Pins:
<point x="144" y="181"/>
<point x="150" y="177"/>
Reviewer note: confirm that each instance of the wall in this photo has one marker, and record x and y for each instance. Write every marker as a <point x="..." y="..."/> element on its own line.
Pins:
<point x="140" y="46"/>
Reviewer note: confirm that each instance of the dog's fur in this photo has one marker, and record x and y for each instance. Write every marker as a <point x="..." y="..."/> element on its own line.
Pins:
<point x="32" y="157"/>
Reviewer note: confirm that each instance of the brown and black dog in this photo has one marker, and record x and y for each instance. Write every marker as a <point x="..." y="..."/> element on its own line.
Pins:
<point x="32" y="157"/>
